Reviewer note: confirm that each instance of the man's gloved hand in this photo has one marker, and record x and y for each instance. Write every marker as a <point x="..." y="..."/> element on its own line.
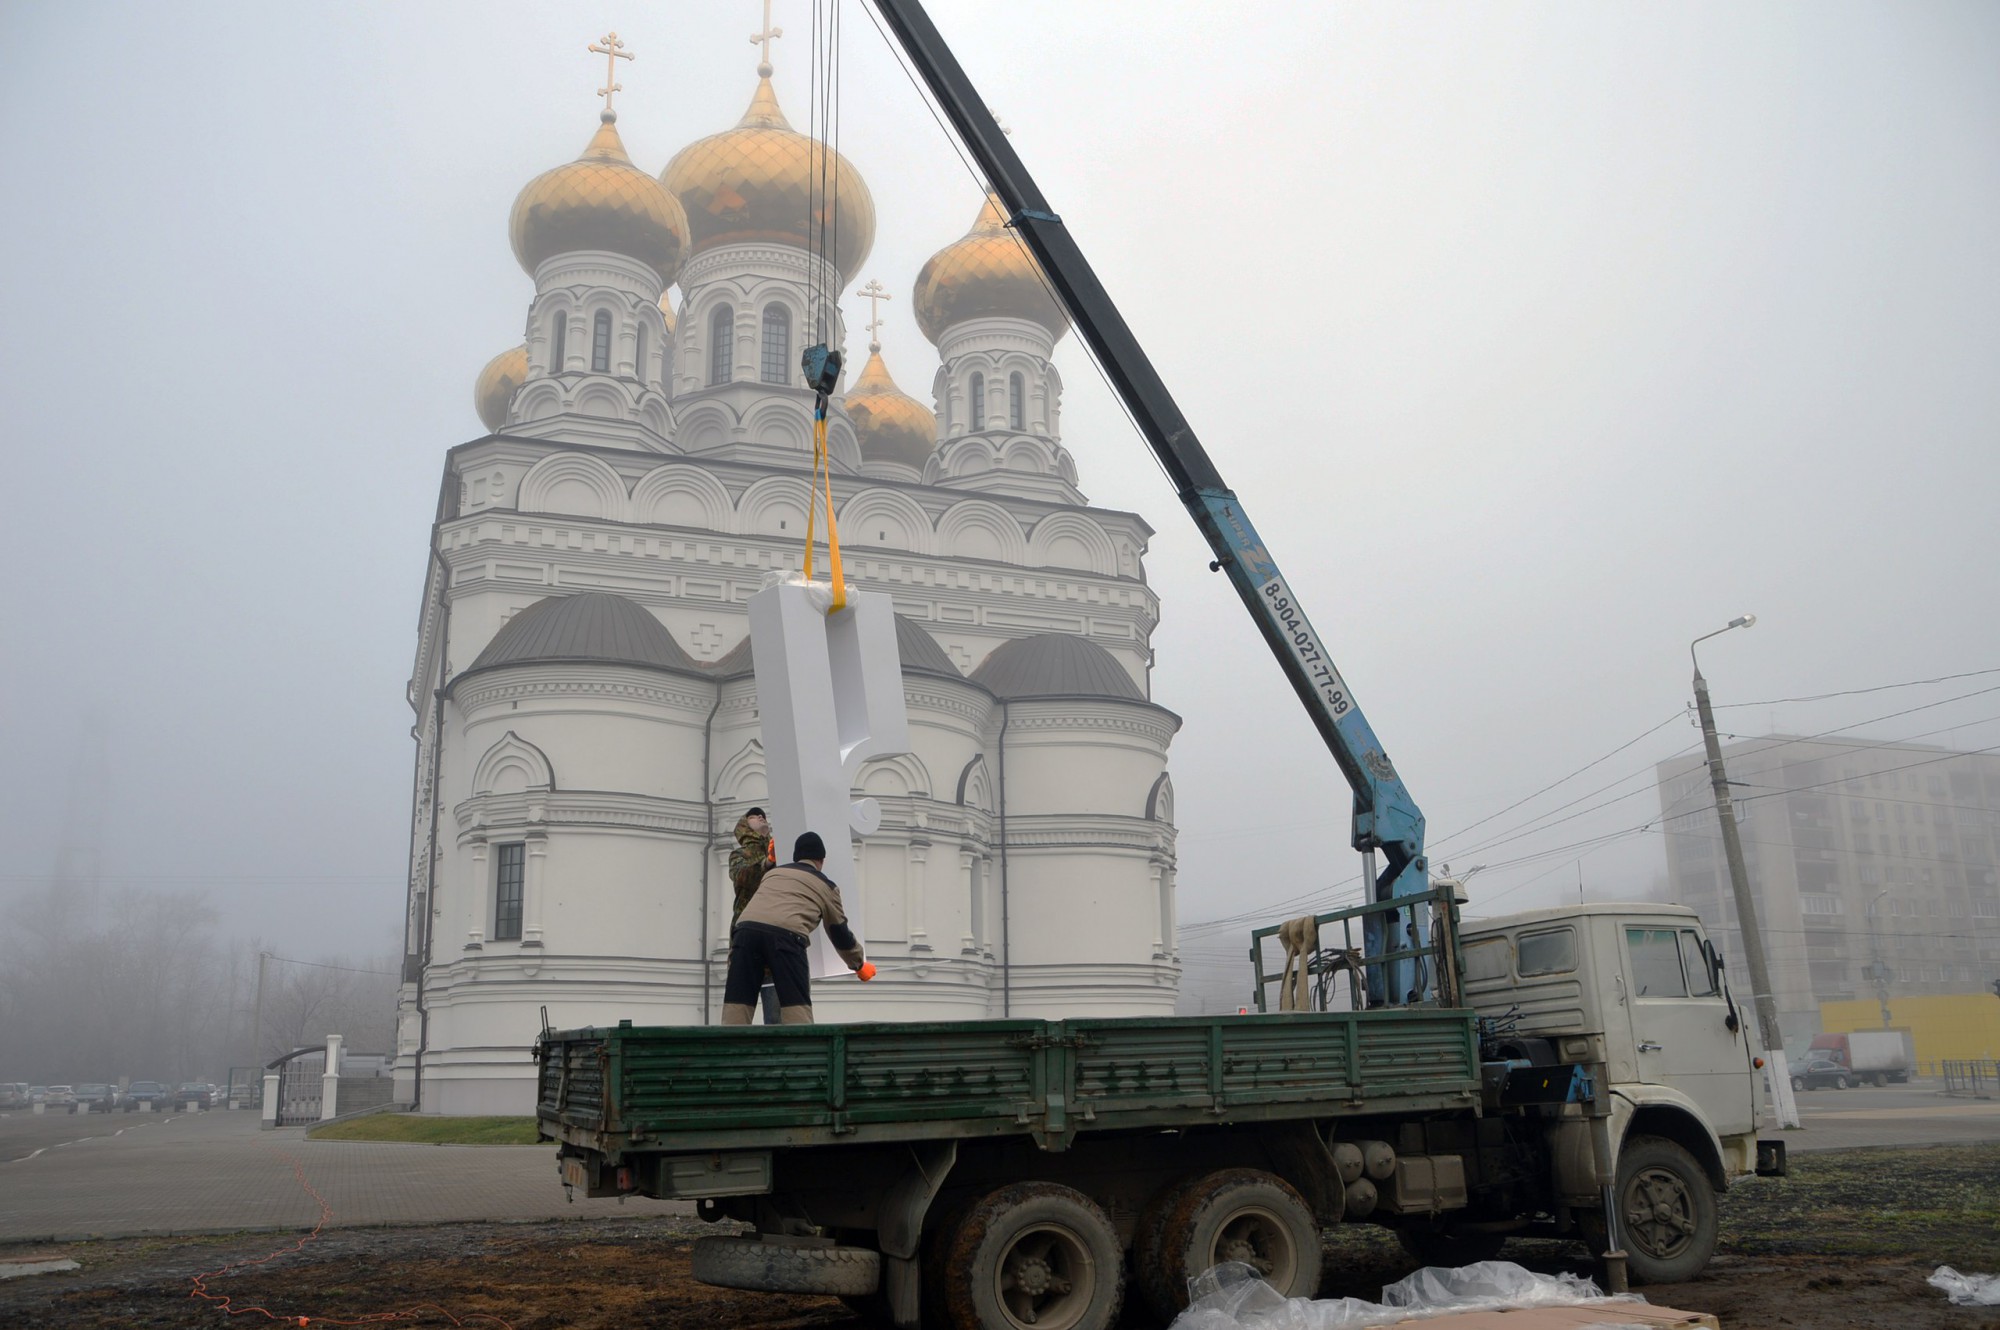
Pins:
<point x="771" y="850"/>
<point x="865" y="971"/>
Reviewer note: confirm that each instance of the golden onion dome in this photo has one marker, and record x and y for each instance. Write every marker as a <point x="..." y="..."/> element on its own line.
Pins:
<point x="988" y="273"/>
<point x="600" y="201"/>
<point x="497" y="382"/>
<point x="762" y="181"/>
<point x="890" y="425"/>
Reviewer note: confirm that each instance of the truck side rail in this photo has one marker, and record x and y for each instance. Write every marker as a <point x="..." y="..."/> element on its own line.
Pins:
<point x="1442" y="952"/>
<point x="678" y="1089"/>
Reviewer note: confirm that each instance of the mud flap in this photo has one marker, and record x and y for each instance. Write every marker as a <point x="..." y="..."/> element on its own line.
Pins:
<point x="1770" y="1159"/>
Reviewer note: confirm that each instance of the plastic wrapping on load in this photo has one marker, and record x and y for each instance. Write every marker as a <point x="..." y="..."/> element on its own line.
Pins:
<point x="1232" y="1297"/>
<point x="1966" y="1290"/>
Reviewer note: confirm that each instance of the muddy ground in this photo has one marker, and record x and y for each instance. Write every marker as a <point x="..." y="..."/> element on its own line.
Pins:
<point x="1847" y="1241"/>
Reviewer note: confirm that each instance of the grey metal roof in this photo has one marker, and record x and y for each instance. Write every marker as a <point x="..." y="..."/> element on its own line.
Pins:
<point x="920" y="652"/>
<point x="1055" y="665"/>
<point x="592" y="627"/>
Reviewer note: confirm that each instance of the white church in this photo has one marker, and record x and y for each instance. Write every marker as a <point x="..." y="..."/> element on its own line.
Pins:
<point x="586" y="716"/>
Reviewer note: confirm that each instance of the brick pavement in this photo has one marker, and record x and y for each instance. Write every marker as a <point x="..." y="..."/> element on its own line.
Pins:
<point x="220" y="1173"/>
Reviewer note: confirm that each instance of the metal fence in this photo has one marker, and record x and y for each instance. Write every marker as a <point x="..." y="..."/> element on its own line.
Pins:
<point x="1974" y="1078"/>
<point x="300" y="1078"/>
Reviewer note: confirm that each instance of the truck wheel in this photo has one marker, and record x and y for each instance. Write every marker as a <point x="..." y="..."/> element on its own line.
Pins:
<point x="1239" y="1214"/>
<point x="774" y="1267"/>
<point x="1666" y="1212"/>
<point x="1033" y="1256"/>
<point x="1149" y="1238"/>
<point x="1452" y="1247"/>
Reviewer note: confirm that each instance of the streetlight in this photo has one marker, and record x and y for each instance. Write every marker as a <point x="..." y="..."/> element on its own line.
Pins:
<point x="1732" y="848"/>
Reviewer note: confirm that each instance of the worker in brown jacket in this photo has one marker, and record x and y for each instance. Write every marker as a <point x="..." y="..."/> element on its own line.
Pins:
<point x="774" y="930"/>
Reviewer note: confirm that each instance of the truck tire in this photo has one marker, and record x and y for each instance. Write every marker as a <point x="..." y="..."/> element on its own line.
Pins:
<point x="1449" y="1246"/>
<point x="1033" y="1256"/>
<point x="1238" y="1214"/>
<point x="1666" y="1212"/>
<point x="774" y="1267"/>
<point x="1149" y="1280"/>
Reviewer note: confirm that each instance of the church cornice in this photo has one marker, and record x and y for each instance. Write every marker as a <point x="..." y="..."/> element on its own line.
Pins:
<point x="517" y="683"/>
<point x="738" y="476"/>
<point x="499" y="817"/>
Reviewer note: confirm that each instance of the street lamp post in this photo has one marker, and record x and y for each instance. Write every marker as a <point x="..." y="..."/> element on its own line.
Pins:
<point x="1732" y="848"/>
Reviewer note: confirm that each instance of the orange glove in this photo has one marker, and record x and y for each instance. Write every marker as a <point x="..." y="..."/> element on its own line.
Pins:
<point x="771" y="851"/>
<point x="866" y="972"/>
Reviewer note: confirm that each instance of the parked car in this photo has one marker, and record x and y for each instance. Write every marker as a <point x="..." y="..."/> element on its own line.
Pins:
<point x="61" y="1096"/>
<point x="194" y="1092"/>
<point x="38" y="1094"/>
<point x="145" y="1092"/>
<point x="14" y="1094"/>
<point x="96" y="1097"/>
<point x="1820" y="1072"/>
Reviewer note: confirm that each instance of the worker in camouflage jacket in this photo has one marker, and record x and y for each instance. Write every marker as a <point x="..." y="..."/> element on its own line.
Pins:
<point x="750" y="860"/>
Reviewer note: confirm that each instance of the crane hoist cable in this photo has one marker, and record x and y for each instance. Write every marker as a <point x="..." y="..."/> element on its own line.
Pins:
<point x="820" y="362"/>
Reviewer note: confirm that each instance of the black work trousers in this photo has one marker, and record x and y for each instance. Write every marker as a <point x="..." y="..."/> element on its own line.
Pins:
<point x="754" y="948"/>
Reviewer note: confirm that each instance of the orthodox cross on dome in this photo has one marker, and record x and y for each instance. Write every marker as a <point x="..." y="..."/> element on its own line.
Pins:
<point x="613" y="51"/>
<point x="763" y="39"/>
<point x="875" y="293"/>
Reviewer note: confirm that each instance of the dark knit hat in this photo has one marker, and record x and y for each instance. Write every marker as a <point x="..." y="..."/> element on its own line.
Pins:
<point x="755" y="812"/>
<point x="808" y="846"/>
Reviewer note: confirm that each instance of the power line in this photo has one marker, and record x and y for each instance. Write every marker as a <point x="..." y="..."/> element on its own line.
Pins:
<point x="1856" y="692"/>
<point x="1541" y="822"/>
<point x="1553" y="784"/>
<point x="322" y="965"/>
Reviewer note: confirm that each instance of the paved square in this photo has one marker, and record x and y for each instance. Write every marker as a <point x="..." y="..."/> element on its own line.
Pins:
<point x="124" y="1175"/>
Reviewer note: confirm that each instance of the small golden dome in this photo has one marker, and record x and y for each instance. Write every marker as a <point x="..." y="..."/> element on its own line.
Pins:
<point x="988" y="273"/>
<point x="600" y="201"/>
<point x="667" y="311"/>
<point x="497" y="382"/>
<point x="891" y="425"/>
<point x="759" y="180"/>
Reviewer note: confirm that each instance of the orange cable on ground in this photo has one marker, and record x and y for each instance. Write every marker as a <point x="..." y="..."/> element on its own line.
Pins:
<point x="226" y="1304"/>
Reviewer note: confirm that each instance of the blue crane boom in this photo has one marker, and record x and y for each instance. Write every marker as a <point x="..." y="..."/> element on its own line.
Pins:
<point x="1386" y="818"/>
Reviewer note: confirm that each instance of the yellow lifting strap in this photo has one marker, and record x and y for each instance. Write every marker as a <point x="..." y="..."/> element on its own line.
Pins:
<point x="1300" y="937"/>
<point x="823" y="466"/>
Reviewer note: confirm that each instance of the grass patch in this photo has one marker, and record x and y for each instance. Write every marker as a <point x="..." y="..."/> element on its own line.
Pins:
<point x="425" y="1129"/>
<point x="1940" y="1204"/>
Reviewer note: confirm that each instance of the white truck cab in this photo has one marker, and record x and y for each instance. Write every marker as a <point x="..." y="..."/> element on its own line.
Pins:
<point x="1638" y="988"/>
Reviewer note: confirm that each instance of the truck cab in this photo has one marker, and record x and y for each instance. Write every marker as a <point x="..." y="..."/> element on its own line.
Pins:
<point x="1643" y="984"/>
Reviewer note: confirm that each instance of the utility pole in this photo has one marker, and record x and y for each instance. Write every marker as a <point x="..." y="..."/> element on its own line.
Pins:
<point x="1732" y="848"/>
<point x="1879" y="971"/>
<point x="257" y="1013"/>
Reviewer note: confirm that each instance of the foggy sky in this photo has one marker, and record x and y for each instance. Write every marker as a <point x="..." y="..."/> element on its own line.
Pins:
<point x="1536" y="339"/>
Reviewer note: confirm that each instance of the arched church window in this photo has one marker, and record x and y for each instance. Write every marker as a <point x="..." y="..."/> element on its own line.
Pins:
<point x="976" y="391"/>
<point x="721" y="336"/>
<point x="639" y="355"/>
<point x="559" y="347"/>
<point x="777" y="343"/>
<point x="600" y="342"/>
<point x="1017" y="401"/>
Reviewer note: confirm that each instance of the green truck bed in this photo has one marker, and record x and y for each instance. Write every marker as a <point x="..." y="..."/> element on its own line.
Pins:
<point x="658" y="1089"/>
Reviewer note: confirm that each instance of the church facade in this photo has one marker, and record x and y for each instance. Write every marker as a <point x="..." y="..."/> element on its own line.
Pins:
<point x="586" y="711"/>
